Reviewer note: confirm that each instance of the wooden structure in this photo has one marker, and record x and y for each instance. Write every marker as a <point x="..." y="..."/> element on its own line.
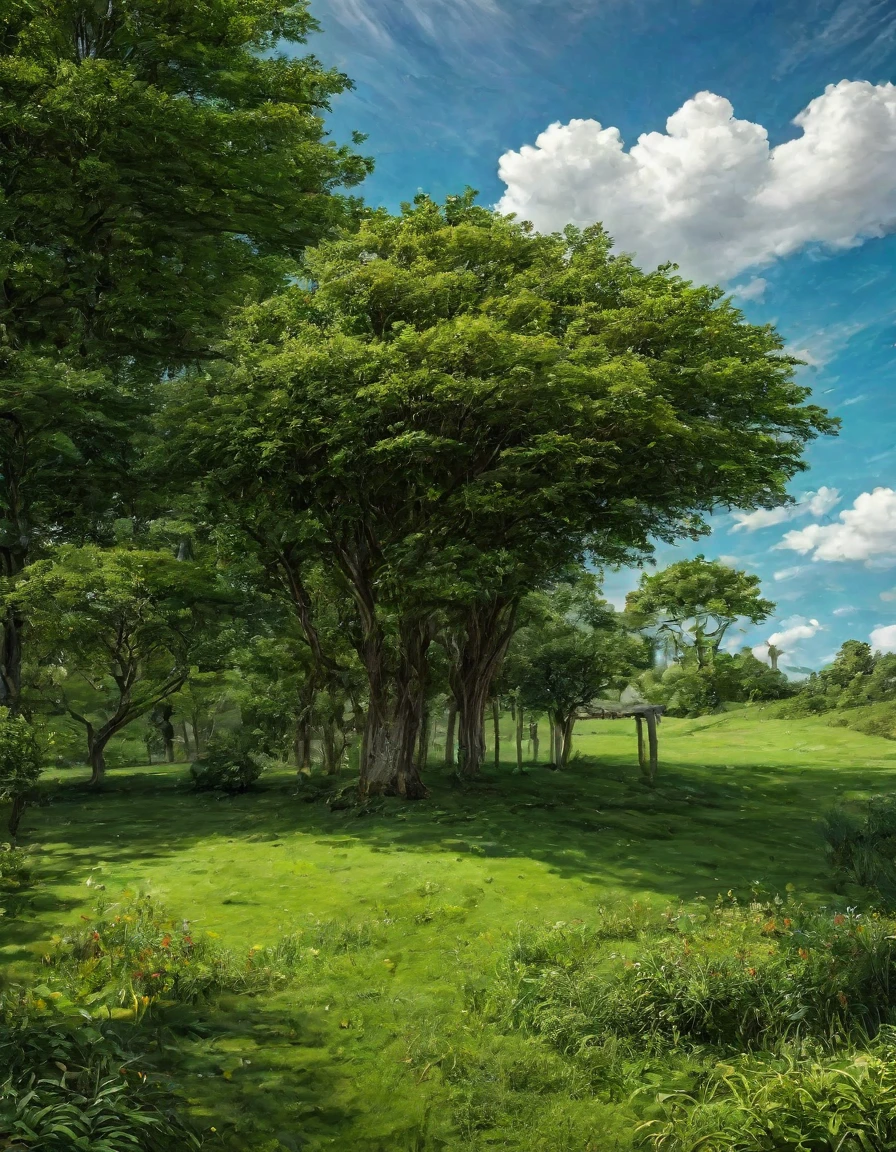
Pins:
<point x="648" y="715"/>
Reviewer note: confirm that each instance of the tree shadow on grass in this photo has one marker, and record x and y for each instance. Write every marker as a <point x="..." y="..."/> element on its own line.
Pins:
<point x="703" y="828"/>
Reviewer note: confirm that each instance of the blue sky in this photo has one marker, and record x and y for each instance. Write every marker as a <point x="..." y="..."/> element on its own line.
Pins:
<point x="447" y="88"/>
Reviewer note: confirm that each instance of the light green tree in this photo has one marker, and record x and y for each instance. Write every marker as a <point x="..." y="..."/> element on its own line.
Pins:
<point x="116" y="631"/>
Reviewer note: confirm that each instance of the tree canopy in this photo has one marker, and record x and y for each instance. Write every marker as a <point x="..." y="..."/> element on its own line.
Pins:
<point x="450" y="408"/>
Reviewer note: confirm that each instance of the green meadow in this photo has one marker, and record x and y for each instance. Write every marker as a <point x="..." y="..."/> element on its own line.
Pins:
<point x="377" y="1038"/>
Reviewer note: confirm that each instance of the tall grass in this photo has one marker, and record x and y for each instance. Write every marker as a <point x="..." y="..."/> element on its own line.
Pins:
<point x="733" y="976"/>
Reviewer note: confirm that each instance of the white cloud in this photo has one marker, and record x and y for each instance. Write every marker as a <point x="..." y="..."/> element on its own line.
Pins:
<point x="883" y="638"/>
<point x="889" y="595"/>
<point x="797" y="628"/>
<point x="789" y="573"/>
<point x="846" y="610"/>
<point x="710" y="193"/>
<point x="853" y="400"/>
<point x="822" y="501"/>
<point x="814" y="503"/>
<point x="754" y="290"/>
<point x="787" y="640"/>
<point x="865" y="532"/>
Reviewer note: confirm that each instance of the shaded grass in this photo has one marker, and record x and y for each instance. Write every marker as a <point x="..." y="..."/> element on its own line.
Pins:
<point x="376" y="1047"/>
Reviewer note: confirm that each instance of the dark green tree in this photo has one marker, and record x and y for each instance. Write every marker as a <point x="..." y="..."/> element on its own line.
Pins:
<point x="158" y="164"/>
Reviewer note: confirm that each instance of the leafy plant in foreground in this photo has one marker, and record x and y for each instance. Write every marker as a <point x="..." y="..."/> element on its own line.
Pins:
<point x="72" y="1085"/>
<point x="840" y="1105"/>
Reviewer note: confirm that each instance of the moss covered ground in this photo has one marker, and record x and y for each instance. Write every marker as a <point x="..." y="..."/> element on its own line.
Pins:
<point x="373" y="1045"/>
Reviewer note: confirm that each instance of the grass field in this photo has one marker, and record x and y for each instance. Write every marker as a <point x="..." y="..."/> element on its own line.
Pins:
<point x="373" y="1045"/>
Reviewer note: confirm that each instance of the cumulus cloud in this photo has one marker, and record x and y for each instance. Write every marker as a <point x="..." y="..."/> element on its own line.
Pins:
<point x="787" y="640"/>
<point x="811" y="503"/>
<point x="865" y="532"/>
<point x="710" y="193"/>
<point x="883" y="638"/>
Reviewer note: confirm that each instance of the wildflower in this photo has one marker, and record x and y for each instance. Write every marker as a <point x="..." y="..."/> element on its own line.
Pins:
<point x="839" y="919"/>
<point x="96" y="935"/>
<point x="752" y="971"/>
<point x="770" y="926"/>
<point x="804" y="955"/>
<point x="154" y="975"/>
<point x="787" y="922"/>
<point x="166" y="941"/>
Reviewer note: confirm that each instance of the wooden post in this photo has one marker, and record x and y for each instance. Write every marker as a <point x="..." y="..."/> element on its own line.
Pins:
<point x="652" y="742"/>
<point x="642" y="759"/>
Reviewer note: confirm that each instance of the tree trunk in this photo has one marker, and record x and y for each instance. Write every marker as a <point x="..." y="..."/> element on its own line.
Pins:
<point x="533" y="736"/>
<point x="186" y="739"/>
<point x="449" y="735"/>
<point x="476" y="652"/>
<point x="642" y="756"/>
<point x="303" y="746"/>
<point x="96" y="748"/>
<point x="496" y="725"/>
<point x="397" y="702"/>
<point x="556" y="743"/>
<point x="11" y="660"/>
<point x="519" y="738"/>
<point x="653" y="743"/>
<point x="162" y="720"/>
<point x="15" y="816"/>
<point x="565" y="732"/>
<point x="423" y="742"/>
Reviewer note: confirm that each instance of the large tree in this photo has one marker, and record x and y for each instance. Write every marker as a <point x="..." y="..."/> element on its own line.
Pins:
<point x="160" y="163"/>
<point x="451" y="408"/>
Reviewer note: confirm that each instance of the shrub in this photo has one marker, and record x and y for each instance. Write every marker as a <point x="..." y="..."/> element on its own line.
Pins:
<point x="20" y="764"/>
<point x="733" y="977"/>
<point x="862" y="848"/>
<point x="14" y="877"/>
<point x="227" y="765"/>
<point x="69" y="1085"/>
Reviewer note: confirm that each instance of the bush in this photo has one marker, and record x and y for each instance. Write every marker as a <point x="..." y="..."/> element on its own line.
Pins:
<point x="862" y="848"/>
<point x="20" y="764"/>
<point x="227" y="765"/>
<point x="733" y="977"/>
<point x="14" y="877"/>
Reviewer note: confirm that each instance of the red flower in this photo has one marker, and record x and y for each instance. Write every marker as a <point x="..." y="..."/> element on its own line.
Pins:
<point x="96" y="935"/>
<point x="839" y="919"/>
<point x="166" y="942"/>
<point x="154" y="975"/>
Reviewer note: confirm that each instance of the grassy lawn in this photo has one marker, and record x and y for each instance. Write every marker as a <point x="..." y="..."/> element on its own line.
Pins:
<point x="373" y="1047"/>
